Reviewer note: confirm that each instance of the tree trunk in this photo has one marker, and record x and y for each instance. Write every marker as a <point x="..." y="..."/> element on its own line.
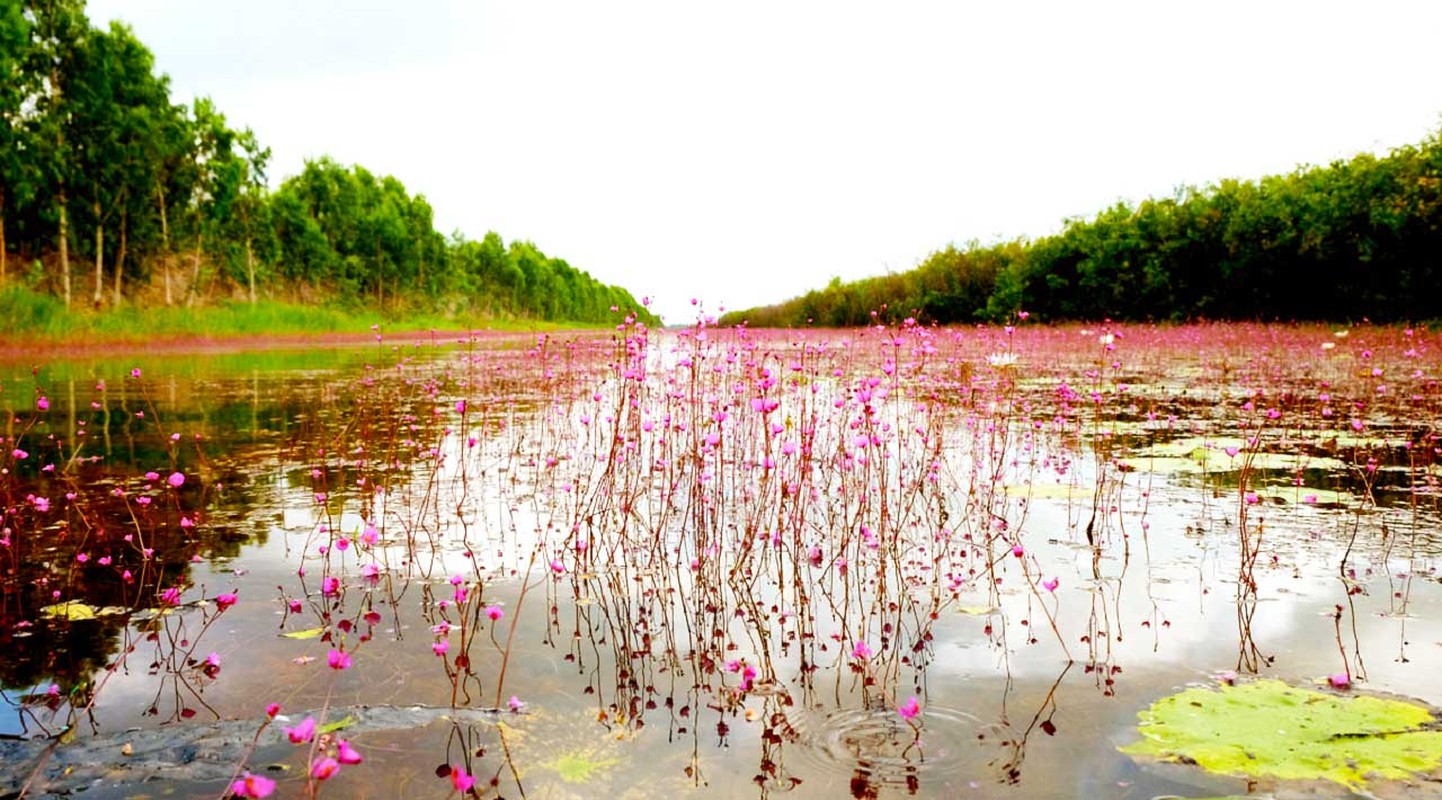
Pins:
<point x="64" y="249"/>
<point x="250" y="268"/>
<point x="164" y="244"/>
<point x="2" y="236"/>
<point x="120" y="256"/>
<point x="194" y="287"/>
<point x="99" y="258"/>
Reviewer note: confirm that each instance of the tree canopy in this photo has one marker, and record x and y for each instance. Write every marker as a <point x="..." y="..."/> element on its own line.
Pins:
<point x="1357" y="238"/>
<point x="110" y="193"/>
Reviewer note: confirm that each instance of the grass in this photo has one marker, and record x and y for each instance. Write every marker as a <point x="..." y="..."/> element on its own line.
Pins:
<point x="29" y="316"/>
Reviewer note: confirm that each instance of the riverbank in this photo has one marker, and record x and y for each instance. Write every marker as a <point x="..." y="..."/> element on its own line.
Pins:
<point x="30" y="327"/>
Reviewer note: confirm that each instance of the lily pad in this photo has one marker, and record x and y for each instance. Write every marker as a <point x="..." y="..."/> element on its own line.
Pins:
<point x="1268" y="728"/>
<point x="308" y="633"/>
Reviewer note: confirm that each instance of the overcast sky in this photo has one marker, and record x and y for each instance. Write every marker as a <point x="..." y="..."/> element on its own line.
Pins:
<point x="745" y="152"/>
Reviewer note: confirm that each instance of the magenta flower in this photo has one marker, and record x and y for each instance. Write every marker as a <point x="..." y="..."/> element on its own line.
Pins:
<point x="1340" y="680"/>
<point x="1050" y="585"/>
<point x="213" y="660"/>
<point x="440" y="648"/>
<point x="323" y="768"/>
<point x="494" y="613"/>
<point x="272" y="709"/>
<point x="171" y="596"/>
<point x="176" y="480"/>
<point x="338" y="659"/>
<point x="303" y="732"/>
<point x="225" y="600"/>
<point x="330" y="586"/>
<point x="249" y="785"/>
<point x="461" y="779"/>
<point x="862" y="651"/>
<point x="910" y="708"/>
<point x="557" y="567"/>
<point x="1018" y="551"/>
<point x="515" y="704"/>
<point x="42" y="403"/>
<point x="346" y="754"/>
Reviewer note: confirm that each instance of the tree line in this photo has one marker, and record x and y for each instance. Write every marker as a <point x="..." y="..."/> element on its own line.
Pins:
<point x="110" y="191"/>
<point x="1360" y="237"/>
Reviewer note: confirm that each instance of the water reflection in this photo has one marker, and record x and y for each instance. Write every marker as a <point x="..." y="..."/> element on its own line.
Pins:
<point x="708" y="562"/>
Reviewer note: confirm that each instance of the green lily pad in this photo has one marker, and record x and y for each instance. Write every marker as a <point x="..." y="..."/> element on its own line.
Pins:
<point x="1267" y="728"/>
<point x="308" y="633"/>
<point x="71" y="610"/>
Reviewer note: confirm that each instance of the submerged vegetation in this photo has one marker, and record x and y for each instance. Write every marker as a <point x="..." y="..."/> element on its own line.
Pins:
<point x="1355" y="239"/>
<point x="112" y="196"/>
<point x="897" y="560"/>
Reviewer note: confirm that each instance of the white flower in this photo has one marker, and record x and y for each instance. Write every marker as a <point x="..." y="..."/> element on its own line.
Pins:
<point x="1002" y="360"/>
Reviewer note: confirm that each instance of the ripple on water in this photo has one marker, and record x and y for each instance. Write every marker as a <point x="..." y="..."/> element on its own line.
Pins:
<point x="883" y="747"/>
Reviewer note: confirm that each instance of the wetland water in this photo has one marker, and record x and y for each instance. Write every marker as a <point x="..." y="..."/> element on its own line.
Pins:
<point x="707" y="562"/>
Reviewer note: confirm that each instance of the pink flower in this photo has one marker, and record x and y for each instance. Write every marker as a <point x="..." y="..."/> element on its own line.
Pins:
<point x="252" y="786"/>
<point x="170" y="596"/>
<point x="1018" y="551"/>
<point x="1050" y="585"/>
<point x="461" y="779"/>
<point x="370" y="571"/>
<point x="440" y="648"/>
<point x="862" y="651"/>
<point x="176" y="480"/>
<point x="494" y="613"/>
<point x="42" y="403"/>
<point x="910" y="708"/>
<point x="213" y="660"/>
<point x="557" y="567"/>
<point x="338" y="659"/>
<point x="1340" y="680"/>
<point x="370" y="535"/>
<point x="226" y="600"/>
<point x="515" y="704"/>
<point x="272" y="709"/>
<point x="346" y="754"/>
<point x="323" y="768"/>
<point x="303" y="732"/>
<point x="330" y="586"/>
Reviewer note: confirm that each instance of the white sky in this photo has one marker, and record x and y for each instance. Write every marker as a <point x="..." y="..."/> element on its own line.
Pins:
<point x="744" y="152"/>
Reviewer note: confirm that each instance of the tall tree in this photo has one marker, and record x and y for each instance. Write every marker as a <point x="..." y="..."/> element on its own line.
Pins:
<point x="14" y="163"/>
<point x="58" y="29"/>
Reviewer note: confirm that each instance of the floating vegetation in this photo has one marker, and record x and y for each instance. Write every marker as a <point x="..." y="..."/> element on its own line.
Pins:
<point x="1269" y="729"/>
